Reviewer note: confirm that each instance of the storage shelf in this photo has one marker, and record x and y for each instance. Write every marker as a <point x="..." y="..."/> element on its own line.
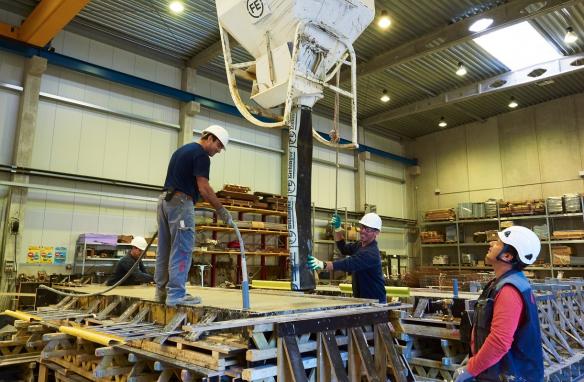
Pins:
<point x="242" y="230"/>
<point x="251" y="253"/>
<point x="88" y="259"/>
<point x="439" y="245"/>
<point x="523" y="217"/>
<point x="474" y="244"/>
<point x="567" y="241"/>
<point x="245" y="209"/>
<point x="566" y="215"/>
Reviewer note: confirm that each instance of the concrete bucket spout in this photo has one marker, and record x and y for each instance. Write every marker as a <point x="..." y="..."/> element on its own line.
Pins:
<point x="297" y="45"/>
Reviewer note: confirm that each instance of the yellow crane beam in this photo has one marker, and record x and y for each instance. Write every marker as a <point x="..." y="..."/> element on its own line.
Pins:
<point x="47" y="19"/>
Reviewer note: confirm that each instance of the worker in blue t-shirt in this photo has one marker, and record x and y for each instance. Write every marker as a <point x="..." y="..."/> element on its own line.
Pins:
<point x="187" y="178"/>
<point x="363" y="258"/>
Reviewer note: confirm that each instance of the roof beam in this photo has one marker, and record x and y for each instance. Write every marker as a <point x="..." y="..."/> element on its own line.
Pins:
<point x="503" y="82"/>
<point x="205" y="55"/>
<point x="47" y="19"/>
<point x="505" y="15"/>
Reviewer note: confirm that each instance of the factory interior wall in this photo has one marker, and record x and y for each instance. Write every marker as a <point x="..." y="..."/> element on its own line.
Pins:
<point x="80" y="141"/>
<point x="535" y="152"/>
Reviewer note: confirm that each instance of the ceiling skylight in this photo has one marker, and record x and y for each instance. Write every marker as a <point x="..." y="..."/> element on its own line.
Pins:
<point x="518" y="46"/>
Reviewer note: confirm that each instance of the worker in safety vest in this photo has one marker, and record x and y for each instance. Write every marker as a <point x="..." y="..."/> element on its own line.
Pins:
<point x="362" y="259"/>
<point x="505" y="336"/>
<point x="139" y="274"/>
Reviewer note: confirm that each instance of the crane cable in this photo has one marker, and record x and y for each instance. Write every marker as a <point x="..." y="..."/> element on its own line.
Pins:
<point x="335" y="137"/>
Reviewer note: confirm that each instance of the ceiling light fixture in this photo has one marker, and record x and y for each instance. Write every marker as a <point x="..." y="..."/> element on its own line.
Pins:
<point x="513" y="103"/>
<point x="176" y="7"/>
<point x="480" y="25"/>
<point x="461" y="71"/>
<point x="518" y="46"/>
<point x="384" y="21"/>
<point x="570" y="36"/>
<point x="442" y="122"/>
<point x="384" y="96"/>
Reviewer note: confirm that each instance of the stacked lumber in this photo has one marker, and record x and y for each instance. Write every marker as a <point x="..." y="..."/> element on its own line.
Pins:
<point x="568" y="234"/>
<point x="273" y="201"/>
<point x="561" y="254"/>
<point x="440" y="214"/>
<point x="431" y="237"/>
<point x="522" y="207"/>
<point x="262" y="225"/>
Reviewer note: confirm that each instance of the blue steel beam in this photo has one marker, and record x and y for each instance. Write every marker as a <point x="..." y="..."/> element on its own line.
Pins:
<point x="115" y="76"/>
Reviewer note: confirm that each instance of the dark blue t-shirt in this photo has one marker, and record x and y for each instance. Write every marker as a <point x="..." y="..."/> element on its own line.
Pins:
<point x="186" y="163"/>
<point x="365" y="265"/>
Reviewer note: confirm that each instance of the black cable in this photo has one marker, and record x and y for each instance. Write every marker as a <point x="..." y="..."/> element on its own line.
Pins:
<point x="111" y="287"/>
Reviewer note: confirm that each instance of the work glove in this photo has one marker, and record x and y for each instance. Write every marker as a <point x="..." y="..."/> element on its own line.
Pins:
<point x="225" y="216"/>
<point x="462" y="375"/>
<point x="315" y="264"/>
<point x="336" y="222"/>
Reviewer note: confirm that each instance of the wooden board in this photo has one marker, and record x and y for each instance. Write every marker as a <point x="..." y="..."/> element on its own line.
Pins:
<point x="261" y="302"/>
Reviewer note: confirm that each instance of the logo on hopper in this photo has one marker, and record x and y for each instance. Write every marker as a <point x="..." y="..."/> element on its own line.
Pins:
<point x="255" y="8"/>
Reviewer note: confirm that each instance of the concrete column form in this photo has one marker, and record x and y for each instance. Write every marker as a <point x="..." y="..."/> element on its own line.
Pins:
<point x="17" y="196"/>
<point x="188" y="110"/>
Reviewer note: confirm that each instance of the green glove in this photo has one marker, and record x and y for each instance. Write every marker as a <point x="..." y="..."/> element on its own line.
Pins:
<point x="315" y="264"/>
<point x="336" y="222"/>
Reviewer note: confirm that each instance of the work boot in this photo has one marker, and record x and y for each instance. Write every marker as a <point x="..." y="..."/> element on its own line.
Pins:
<point x="186" y="300"/>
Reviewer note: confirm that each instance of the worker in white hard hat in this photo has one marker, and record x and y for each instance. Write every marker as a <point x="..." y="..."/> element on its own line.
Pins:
<point x="362" y="258"/>
<point x="139" y="274"/>
<point x="505" y="334"/>
<point x="187" y="179"/>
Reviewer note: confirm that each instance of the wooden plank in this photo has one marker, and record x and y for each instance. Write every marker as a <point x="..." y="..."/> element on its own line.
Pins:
<point x="360" y="358"/>
<point x="433" y="332"/>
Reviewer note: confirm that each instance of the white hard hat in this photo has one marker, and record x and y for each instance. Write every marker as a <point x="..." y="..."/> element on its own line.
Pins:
<point x="525" y="242"/>
<point x="139" y="242"/>
<point x="371" y="220"/>
<point x="220" y="133"/>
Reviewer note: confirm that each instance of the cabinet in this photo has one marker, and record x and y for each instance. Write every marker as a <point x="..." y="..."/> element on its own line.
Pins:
<point x="100" y="253"/>
<point x="559" y="234"/>
<point x="264" y="233"/>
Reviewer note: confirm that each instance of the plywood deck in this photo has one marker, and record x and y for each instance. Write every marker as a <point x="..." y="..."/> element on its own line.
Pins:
<point x="261" y="301"/>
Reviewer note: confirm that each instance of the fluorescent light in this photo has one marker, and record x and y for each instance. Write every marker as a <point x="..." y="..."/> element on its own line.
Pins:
<point x="480" y="25"/>
<point x="442" y="123"/>
<point x="384" y="21"/>
<point x="513" y="103"/>
<point x="176" y="6"/>
<point x="570" y="36"/>
<point x="518" y="46"/>
<point x="461" y="71"/>
<point x="384" y="96"/>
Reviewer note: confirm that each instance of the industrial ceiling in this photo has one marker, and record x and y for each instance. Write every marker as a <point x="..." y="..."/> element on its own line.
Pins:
<point x="415" y="59"/>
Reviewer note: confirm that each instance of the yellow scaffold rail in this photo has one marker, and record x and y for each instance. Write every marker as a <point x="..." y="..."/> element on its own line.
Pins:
<point x="93" y="336"/>
<point x="22" y="315"/>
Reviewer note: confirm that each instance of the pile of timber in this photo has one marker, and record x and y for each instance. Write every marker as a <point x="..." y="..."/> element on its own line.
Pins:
<point x="240" y="196"/>
<point x="440" y="215"/>
<point x="522" y="207"/>
<point x="274" y="201"/>
<point x="431" y="237"/>
<point x="568" y="234"/>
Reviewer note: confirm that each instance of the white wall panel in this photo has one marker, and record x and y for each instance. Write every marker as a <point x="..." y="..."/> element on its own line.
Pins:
<point x="11" y="68"/>
<point x="559" y="152"/>
<point x="64" y="155"/>
<point x="388" y="196"/>
<point x="9" y="104"/>
<point x="452" y="168"/>
<point x="531" y="153"/>
<point x="518" y="142"/>
<point x="83" y="48"/>
<point x="484" y="160"/>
